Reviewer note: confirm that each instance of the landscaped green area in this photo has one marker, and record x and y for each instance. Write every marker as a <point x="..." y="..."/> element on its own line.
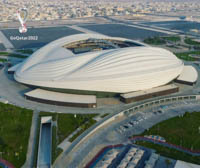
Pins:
<point x="15" y="123"/>
<point x="26" y="51"/>
<point x="171" y="153"/>
<point x="3" y="60"/>
<point x="155" y="41"/>
<point x="191" y="42"/>
<point x="67" y="124"/>
<point x="186" y="55"/>
<point x="12" y="55"/>
<point x="83" y="127"/>
<point x="172" y="38"/>
<point x="55" y="151"/>
<point x="183" y="131"/>
<point x="161" y="40"/>
<point x="104" y="115"/>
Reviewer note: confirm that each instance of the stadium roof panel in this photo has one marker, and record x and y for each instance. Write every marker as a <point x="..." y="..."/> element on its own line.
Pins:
<point x="149" y="91"/>
<point x="61" y="97"/>
<point x="118" y="70"/>
<point x="189" y="74"/>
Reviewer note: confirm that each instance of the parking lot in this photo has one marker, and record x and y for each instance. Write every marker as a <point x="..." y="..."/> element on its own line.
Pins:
<point x="119" y="132"/>
<point x="143" y="120"/>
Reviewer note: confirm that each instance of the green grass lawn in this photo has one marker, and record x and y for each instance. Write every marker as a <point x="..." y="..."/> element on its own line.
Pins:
<point x="84" y="127"/>
<point x="12" y="55"/>
<point x="171" y="153"/>
<point x="183" y="131"/>
<point x="104" y="115"/>
<point x="155" y="41"/>
<point x="55" y="151"/>
<point x="185" y="55"/>
<point x="172" y="38"/>
<point x="25" y="51"/>
<point x="161" y="40"/>
<point x="67" y="124"/>
<point x="15" y="123"/>
<point x="191" y="42"/>
<point x="3" y="60"/>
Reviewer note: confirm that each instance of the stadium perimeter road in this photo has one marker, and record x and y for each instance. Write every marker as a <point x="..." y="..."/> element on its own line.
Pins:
<point x="86" y="151"/>
<point x="13" y="92"/>
<point x="5" y="41"/>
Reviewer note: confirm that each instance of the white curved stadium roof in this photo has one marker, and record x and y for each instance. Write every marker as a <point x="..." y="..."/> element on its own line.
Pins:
<point x="189" y="74"/>
<point x="112" y="70"/>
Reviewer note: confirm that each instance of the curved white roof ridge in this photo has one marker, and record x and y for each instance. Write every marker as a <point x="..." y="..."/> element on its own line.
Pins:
<point x="70" y="39"/>
<point x="189" y="74"/>
<point x="112" y="70"/>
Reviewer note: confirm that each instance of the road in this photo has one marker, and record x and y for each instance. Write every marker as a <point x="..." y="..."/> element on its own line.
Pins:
<point x="81" y="29"/>
<point x="84" y="152"/>
<point x="14" y="93"/>
<point x="151" y="27"/>
<point x="5" y="41"/>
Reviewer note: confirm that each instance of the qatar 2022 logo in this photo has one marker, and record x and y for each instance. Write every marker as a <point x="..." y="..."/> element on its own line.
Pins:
<point x="22" y="15"/>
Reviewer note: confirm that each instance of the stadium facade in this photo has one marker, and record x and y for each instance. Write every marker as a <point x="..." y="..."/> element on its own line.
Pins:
<point x="93" y="62"/>
<point x="75" y="70"/>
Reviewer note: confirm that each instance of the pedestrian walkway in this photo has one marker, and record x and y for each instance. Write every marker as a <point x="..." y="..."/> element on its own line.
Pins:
<point x="66" y="143"/>
<point x="32" y="141"/>
<point x="81" y="29"/>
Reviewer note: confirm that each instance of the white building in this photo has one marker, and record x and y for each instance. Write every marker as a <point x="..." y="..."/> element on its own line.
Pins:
<point x="93" y="62"/>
